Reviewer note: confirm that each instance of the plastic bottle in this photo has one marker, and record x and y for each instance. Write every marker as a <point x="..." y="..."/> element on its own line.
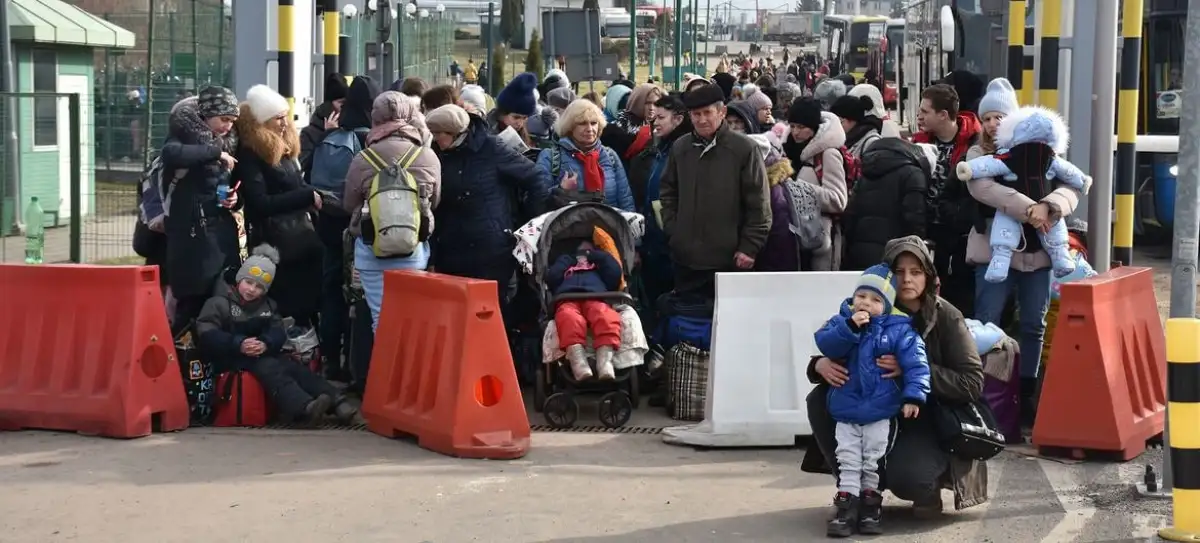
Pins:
<point x="35" y="232"/>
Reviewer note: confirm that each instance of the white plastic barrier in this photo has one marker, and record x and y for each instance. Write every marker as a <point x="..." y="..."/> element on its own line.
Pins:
<point x="762" y="342"/>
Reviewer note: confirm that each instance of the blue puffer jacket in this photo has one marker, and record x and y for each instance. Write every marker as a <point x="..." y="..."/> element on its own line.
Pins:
<point x="484" y="186"/>
<point x="868" y="397"/>
<point x="616" y="183"/>
<point x="600" y="273"/>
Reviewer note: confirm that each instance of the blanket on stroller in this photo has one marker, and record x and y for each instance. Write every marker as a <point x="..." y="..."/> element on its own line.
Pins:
<point x="529" y="234"/>
<point x="632" y="351"/>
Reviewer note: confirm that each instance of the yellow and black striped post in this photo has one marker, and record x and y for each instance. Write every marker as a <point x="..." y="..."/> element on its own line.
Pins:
<point x="1016" y="43"/>
<point x="1026" y="94"/>
<point x="286" y="14"/>
<point x="1183" y="415"/>
<point x="1051" y="23"/>
<point x="333" y="30"/>
<point x="1127" y="114"/>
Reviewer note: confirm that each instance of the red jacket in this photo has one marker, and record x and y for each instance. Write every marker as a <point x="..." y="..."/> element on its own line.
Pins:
<point x="969" y="128"/>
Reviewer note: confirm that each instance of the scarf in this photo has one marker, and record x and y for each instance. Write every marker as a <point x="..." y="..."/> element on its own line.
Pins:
<point x="593" y="174"/>
<point x="640" y="141"/>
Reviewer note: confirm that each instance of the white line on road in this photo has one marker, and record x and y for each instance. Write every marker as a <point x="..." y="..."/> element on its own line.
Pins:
<point x="1069" y="492"/>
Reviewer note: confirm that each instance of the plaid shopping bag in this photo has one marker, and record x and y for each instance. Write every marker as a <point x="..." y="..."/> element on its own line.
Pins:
<point x="687" y="382"/>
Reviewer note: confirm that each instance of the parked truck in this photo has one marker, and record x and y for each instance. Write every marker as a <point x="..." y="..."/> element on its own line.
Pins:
<point x="793" y="28"/>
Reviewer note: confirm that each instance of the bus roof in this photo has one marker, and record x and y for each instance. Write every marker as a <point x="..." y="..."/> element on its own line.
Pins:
<point x="842" y="18"/>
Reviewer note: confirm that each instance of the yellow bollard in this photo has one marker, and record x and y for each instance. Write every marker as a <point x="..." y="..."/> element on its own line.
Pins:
<point x="1183" y="415"/>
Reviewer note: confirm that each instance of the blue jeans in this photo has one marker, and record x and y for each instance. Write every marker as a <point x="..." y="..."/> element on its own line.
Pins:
<point x="1033" y="299"/>
<point x="370" y="271"/>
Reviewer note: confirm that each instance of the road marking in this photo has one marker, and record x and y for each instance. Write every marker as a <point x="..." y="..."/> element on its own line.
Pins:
<point x="1078" y="509"/>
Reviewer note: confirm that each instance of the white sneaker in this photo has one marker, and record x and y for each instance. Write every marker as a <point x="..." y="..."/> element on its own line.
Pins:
<point x="577" y="358"/>
<point x="604" y="365"/>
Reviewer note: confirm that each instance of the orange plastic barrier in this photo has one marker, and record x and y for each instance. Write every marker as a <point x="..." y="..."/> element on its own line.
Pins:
<point x="441" y="369"/>
<point x="87" y="349"/>
<point x="1105" y="386"/>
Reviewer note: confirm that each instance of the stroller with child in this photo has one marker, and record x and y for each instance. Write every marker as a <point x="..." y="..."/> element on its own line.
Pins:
<point x="541" y="242"/>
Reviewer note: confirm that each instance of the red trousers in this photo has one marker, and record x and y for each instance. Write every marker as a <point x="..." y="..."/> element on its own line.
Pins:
<point x="574" y="317"/>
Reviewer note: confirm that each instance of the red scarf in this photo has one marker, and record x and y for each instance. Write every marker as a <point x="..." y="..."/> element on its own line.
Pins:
<point x="593" y="175"/>
<point x="643" y="138"/>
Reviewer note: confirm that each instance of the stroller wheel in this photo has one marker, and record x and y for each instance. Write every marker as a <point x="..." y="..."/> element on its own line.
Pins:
<point x="560" y="410"/>
<point x="539" y="388"/>
<point x="614" y="409"/>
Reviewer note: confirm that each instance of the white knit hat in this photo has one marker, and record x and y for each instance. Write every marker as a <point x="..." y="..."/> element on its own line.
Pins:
<point x="265" y="104"/>
<point x="872" y="92"/>
<point x="1000" y="97"/>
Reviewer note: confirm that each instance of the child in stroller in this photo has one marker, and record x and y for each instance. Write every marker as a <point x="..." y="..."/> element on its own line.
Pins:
<point x="588" y="271"/>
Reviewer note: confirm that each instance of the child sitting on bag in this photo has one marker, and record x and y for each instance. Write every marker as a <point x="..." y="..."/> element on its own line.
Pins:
<point x="240" y="329"/>
<point x="867" y="327"/>
<point x="589" y="270"/>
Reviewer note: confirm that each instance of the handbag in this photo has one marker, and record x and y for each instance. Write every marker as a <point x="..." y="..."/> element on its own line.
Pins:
<point x="294" y="235"/>
<point x="968" y="430"/>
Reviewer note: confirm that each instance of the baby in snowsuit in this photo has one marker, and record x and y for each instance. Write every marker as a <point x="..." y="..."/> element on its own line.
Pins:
<point x="1029" y="142"/>
<point x="241" y="329"/>
<point x="589" y="270"/>
<point x="867" y="327"/>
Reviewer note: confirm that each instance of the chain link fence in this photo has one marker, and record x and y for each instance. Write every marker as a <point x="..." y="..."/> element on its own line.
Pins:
<point x="86" y="218"/>
<point x="428" y="44"/>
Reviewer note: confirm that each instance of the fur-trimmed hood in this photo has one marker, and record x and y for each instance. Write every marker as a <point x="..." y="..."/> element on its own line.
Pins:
<point x="185" y="124"/>
<point x="269" y="145"/>
<point x="829" y="136"/>
<point x="1033" y="124"/>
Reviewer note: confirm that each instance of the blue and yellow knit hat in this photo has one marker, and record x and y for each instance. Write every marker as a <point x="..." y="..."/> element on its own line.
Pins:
<point x="880" y="279"/>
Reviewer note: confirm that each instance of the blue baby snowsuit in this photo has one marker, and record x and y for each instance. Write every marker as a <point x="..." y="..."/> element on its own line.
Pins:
<point x="1031" y="138"/>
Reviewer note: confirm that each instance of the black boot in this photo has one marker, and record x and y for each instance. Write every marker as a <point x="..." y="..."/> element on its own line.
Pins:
<point x="844" y="521"/>
<point x="870" y="513"/>
<point x="347" y="411"/>
<point x="316" y="409"/>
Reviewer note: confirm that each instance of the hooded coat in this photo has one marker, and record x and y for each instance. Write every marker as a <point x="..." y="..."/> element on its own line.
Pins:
<point x="956" y="375"/>
<point x="888" y="201"/>
<point x="825" y="148"/>
<point x="277" y="203"/>
<point x="745" y="112"/>
<point x="202" y="236"/>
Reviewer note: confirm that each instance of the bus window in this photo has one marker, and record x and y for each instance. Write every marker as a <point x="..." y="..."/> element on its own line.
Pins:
<point x="1164" y="74"/>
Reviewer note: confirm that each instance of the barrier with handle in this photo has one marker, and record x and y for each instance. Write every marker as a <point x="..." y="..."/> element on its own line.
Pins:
<point x="442" y="371"/>
<point x="762" y="342"/>
<point x="87" y="349"/>
<point x="1105" y="385"/>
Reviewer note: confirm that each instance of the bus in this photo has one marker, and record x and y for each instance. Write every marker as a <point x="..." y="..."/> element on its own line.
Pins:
<point x="850" y="41"/>
<point x="645" y="19"/>
<point x="891" y="61"/>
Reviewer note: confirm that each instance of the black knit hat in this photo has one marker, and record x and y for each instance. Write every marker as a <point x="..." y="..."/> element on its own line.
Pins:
<point x="805" y="112"/>
<point x="703" y="96"/>
<point x="216" y="102"/>
<point x="335" y="87"/>
<point x="853" y="108"/>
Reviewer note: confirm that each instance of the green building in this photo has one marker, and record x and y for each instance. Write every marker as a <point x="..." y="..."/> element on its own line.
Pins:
<point x="54" y="44"/>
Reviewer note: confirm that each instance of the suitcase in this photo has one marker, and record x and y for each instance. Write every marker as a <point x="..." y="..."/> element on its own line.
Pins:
<point x="243" y="402"/>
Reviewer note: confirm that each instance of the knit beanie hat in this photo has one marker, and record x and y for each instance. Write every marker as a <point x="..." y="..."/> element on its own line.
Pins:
<point x="755" y="96"/>
<point x="215" y="102"/>
<point x="259" y="267"/>
<point x="805" y="112"/>
<point x="828" y="91"/>
<point x="335" y="87"/>
<point x="517" y="97"/>
<point x="853" y="108"/>
<point x="448" y="119"/>
<point x="474" y="95"/>
<point x="880" y="280"/>
<point x="561" y="97"/>
<point x="266" y="104"/>
<point x="1000" y="97"/>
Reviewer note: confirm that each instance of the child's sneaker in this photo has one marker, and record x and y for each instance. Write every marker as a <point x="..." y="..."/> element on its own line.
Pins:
<point x="316" y="409"/>
<point x="870" y="513"/>
<point x="846" y="518"/>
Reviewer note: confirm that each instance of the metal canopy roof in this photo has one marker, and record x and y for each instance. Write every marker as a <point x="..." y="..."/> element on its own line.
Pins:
<point x="55" y="21"/>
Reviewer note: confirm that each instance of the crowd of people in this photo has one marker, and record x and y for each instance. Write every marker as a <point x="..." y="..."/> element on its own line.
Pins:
<point x="756" y="168"/>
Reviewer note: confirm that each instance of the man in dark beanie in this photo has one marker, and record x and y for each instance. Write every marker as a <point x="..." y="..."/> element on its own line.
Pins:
<point x="715" y="198"/>
<point x="324" y="119"/>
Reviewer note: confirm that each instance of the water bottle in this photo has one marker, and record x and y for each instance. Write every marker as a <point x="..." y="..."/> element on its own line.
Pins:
<point x="35" y="232"/>
<point x="222" y="192"/>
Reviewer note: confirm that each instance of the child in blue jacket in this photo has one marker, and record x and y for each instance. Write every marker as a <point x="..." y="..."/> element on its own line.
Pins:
<point x="588" y="271"/>
<point x="867" y="327"/>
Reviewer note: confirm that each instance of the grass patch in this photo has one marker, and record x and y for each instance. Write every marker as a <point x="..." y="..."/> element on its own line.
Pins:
<point x="132" y="260"/>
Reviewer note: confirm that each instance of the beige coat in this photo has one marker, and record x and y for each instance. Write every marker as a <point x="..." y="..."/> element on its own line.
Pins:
<point x="831" y="189"/>
<point x="1008" y="200"/>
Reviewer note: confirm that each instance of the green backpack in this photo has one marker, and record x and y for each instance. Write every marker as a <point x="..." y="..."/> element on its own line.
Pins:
<point x="391" y="222"/>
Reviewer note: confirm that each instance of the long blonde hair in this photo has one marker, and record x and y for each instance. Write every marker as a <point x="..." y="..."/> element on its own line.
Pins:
<point x="987" y="142"/>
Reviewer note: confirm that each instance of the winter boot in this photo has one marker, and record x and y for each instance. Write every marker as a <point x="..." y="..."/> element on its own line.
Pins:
<point x="870" y="513"/>
<point x="346" y="411"/>
<point x="846" y="518"/>
<point x="604" y="364"/>
<point x="577" y="357"/>
<point x="316" y="409"/>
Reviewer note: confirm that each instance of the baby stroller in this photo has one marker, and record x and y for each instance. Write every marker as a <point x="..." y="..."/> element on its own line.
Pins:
<point x="556" y="391"/>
